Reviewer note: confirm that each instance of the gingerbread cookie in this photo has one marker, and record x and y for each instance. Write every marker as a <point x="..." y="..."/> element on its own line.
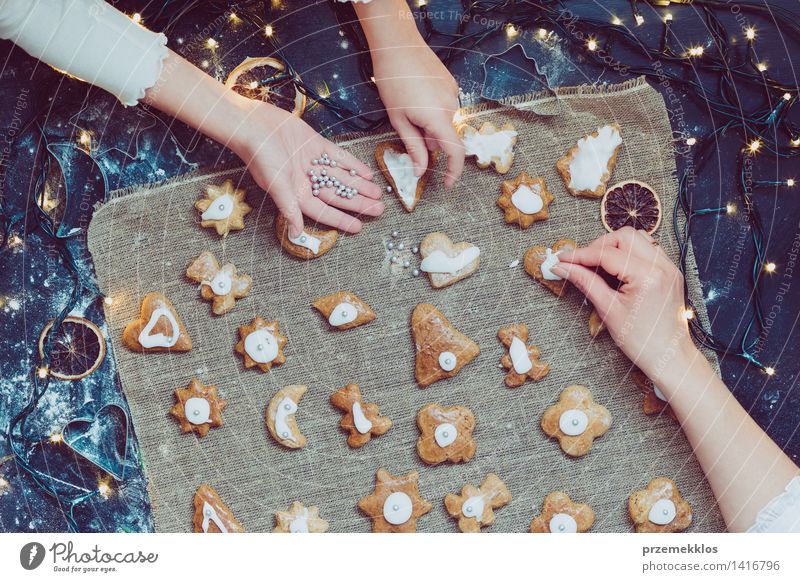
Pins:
<point x="223" y="208"/>
<point x="441" y="349"/>
<point x="198" y="408"/>
<point x="261" y="344"/>
<point x="654" y="400"/>
<point x="361" y="420"/>
<point x="211" y="515"/>
<point x="539" y="260"/>
<point x="220" y="285"/>
<point x="490" y="145"/>
<point x="447" y="263"/>
<point x="525" y="200"/>
<point x="562" y="515"/>
<point x="300" y="519"/>
<point x="311" y="244"/>
<point x="474" y="508"/>
<point x="158" y="329"/>
<point x="522" y="360"/>
<point x="596" y="325"/>
<point x="445" y="434"/>
<point x="398" y="169"/>
<point x="280" y="419"/>
<point x="344" y="310"/>
<point x="395" y="504"/>
<point x="576" y="420"/>
<point x="659" y="508"/>
<point x="587" y="166"/>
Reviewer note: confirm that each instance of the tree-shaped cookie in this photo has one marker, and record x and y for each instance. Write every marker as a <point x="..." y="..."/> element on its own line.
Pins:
<point x="562" y="515"/>
<point x="659" y="508"/>
<point x="522" y="360"/>
<point x="539" y="260"/>
<point x="300" y="519"/>
<point x="222" y="286"/>
<point x="198" y="408"/>
<point x="222" y="208"/>
<point x="310" y="244"/>
<point x="447" y="263"/>
<point x="490" y="145"/>
<point x="474" y="508"/>
<point x="445" y="434"/>
<point x="280" y="417"/>
<point x="587" y="166"/>
<point x="211" y="515"/>
<point x="361" y="420"/>
<point x="261" y="344"/>
<point x="344" y="310"/>
<point x="158" y="328"/>
<point x="441" y="349"/>
<point x="576" y="420"/>
<point x="398" y="169"/>
<point x="395" y="504"/>
<point x="525" y="200"/>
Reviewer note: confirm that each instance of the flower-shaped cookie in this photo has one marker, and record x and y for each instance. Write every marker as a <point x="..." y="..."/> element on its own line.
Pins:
<point x="198" y="408"/>
<point x="395" y="504"/>
<point x="654" y="400"/>
<point x="522" y="360"/>
<point x="223" y="208"/>
<point x="490" y="145"/>
<point x="300" y="519"/>
<point x="261" y="344"/>
<point x="344" y="310"/>
<point x="361" y="420"/>
<point x="525" y="200"/>
<point x="220" y="285"/>
<point x="539" y="260"/>
<point x="587" y="166"/>
<point x="576" y="420"/>
<point x="562" y="515"/>
<point x="445" y="434"/>
<point x="474" y="508"/>
<point x="280" y="419"/>
<point x="310" y="244"/>
<point x="659" y="508"/>
<point x="445" y="262"/>
<point x="158" y="329"/>
<point x="442" y="350"/>
<point x="211" y="515"/>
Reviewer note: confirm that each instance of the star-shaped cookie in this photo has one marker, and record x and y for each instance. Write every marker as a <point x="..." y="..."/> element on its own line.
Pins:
<point x="445" y="434"/>
<point x="223" y="208"/>
<point x="395" y="504"/>
<point x="474" y="508"/>
<point x="441" y="349"/>
<point x="659" y="508"/>
<point x="211" y="515"/>
<point x="562" y="515"/>
<point x="445" y="262"/>
<point x="198" y="408"/>
<point x="300" y="519"/>
<point x="158" y="329"/>
<point x="310" y="244"/>
<point x="539" y="260"/>
<point x="361" y="420"/>
<point x="654" y="400"/>
<point x="522" y="360"/>
<point x="261" y="344"/>
<point x="576" y="420"/>
<point x="344" y="310"/>
<point x="525" y="200"/>
<point x="222" y="286"/>
<point x="490" y="145"/>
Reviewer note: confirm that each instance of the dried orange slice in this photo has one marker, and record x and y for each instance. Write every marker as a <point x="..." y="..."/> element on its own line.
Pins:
<point x="631" y="203"/>
<point x="266" y="79"/>
<point x="76" y="350"/>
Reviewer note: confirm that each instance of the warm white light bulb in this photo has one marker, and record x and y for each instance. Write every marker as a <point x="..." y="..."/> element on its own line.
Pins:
<point x="770" y="371"/>
<point x="790" y="182"/>
<point x="268" y="30"/>
<point x="691" y="141"/>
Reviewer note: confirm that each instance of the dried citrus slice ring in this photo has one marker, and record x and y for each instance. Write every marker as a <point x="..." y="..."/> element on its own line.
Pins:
<point x="631" y="203"/>
<point x="76" y="350"/>
<point x="265" y="78"/>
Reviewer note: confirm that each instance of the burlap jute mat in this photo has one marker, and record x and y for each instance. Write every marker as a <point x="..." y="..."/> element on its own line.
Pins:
<point x="144" y="240"/>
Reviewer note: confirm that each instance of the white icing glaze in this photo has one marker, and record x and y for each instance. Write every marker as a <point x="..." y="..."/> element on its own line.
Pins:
<point x="220" y="208"/>
<point x="573" y="422"/>
<point x="659" y="394"/>
<point x="591" y="159"/>
<point x="438" y="262"/>
<point x="487" y="146"/>
<point x="286" y="407"/>
<point x="197" y="410"/>
<point x="563" y="523"/>
<point x="209" y="515"/>
<point x="397" y="508"/>
<point x="342" y="314"/>
<point x="363" y="424"/>
<point x="221" y="284"/>
<point x="519" y="356"/>
<point x="306" y="241"/>
<point x="447" y="361"/>
<point x="473" y="507"/>
<point x="662" y="512"/>
<point x="528" y="200"/>
<point x="261" y="346"/>
<point x="300" y="523"/>
<point x="401" y="168"/>
<point x="550" y="261"/>
<point x="445" y="434"/>
<point x="159" y="340"/>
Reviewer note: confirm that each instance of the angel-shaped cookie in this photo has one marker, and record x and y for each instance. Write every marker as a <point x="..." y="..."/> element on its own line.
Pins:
<point x="398" y="169"/>
<point x="310" y="244"/>
<point x="220" y="285"/>
<point x="361" y="420"/>
<point x="395" y="504"/>
<point x="158" y="328"/>
<point x="576" y="420"/>
<point x="441" y="349"/>
<point x="445" y="262"/>
<point x="211" y="515"/>
<point x="344" y="310"/>
<point x="474" y="508"/>
<point x="490" y="145"/>
<point x="198" y="408"/>
<point x="562" y="515"/>
<point x="522" y="360"/>
<point x="525" y="200"/>
<point x="280" y="417"/>
<point x="654" y="400"/>
<point x="587" y="166"/>
<point x="261" y="344"/>
<point x="445" y="434"/>
<point x="659" y="508"/>
<point x="223" y="208"/>
<point x="300" y="519"/>
<point x="539" y="260"/>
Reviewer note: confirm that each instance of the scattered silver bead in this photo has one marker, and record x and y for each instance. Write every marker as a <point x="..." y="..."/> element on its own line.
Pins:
<point x="333" y="163"/>
<point x="390" y="245"/>
<point x="315" y="192"/>
<point x="400" y="246"/>
<point x="352" y="172"/>
<point x="415" y="249"/>
<point x="395" y="259"/>
<point x="406" y="264"/>
<point x="315" y="162"/>
<point x="324" y="172"/>
<point x="350" y="195"/>
<point x="388" y="188"/>
<point x="395" y="234"/>
<point x="415" y="272"/>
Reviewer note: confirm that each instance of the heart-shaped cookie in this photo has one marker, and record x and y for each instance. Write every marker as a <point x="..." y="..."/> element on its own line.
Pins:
<point x="447" y="263"/>
<point x="311" y="243"/>
<point x="442" y="350"/>
<point x="158" y="329"/>
<point x="539" y="260"/>
<point x="398" y="169"/>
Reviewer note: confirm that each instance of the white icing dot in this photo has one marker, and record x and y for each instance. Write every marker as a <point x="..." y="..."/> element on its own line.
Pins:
<point x="447" y="361"/>
<point x="573" y="422"/>
<point x="261" y="346"/>
<point x="220" y="209"/>
<point x="662" y="512"/>
<point x="343" y="314"/>
<point x="563" y="523"/>
<point x="473" y="507"/>
<point x="397" y="508"/>
<point x="445" y="434"/>
<point x="197" y="410"/>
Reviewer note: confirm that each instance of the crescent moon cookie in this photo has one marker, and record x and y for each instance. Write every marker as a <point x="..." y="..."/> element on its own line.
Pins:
<point x="562" y="515"/>
<point x="474" y="508"/>
<point x="344" y="310"/>
<point x="361" y="420"/>
<point x="539" y="260"/>
<point x="447" y="263"/>
<point x="223" y="208"/>
<point x="525" y="200"/>
<point x="522" y="360"/>
<point x="198" y="408"/>
<point x="586" y="167"/>
<point x="445" y="434"/>
<point x="311" y="244"/>
<point x="654" y="400"/>
<point x="261" y="344"/>
<point x="576" y="420"/>
<point x="300" y="519"/>
<point x="398" y="169"/>
<point x="211" y="515"/>
<point x="222" y="286"/>
<point x="395" y="504"/>
<point x="280" y="418"/>
<point x="441" y="349"/>
<point x="490" y="145"/>
<point x="659" y="508"/>
<point x="158" y="329"/>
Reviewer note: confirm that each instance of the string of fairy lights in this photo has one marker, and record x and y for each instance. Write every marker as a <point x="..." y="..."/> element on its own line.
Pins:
<point x="764" y="126"/>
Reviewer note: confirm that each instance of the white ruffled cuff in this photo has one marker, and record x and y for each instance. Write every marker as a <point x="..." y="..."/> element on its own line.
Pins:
<point x="782" y="514"/>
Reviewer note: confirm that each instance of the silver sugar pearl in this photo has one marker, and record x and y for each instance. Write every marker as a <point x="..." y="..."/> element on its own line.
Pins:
<point x="415" y="249"/>
<point x="388" y="188"/>
<point x="324" y="172"/>
<point x="395" y="259"/>
<point x="350" y="195"/>
<point x="415" y="272"/>
<point x="395" y="234"/>
<point x="287" y="406"/>
<point x="285" y="435"/>
<point x="315" y="162"/>
<point x="400" y="246"/>
<point x="352" y="172"/>
<point x="196" y="412"/>
<point x="333" y="163"/>
<point x="390" y="245"/>
<point x="406" y="264"/>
